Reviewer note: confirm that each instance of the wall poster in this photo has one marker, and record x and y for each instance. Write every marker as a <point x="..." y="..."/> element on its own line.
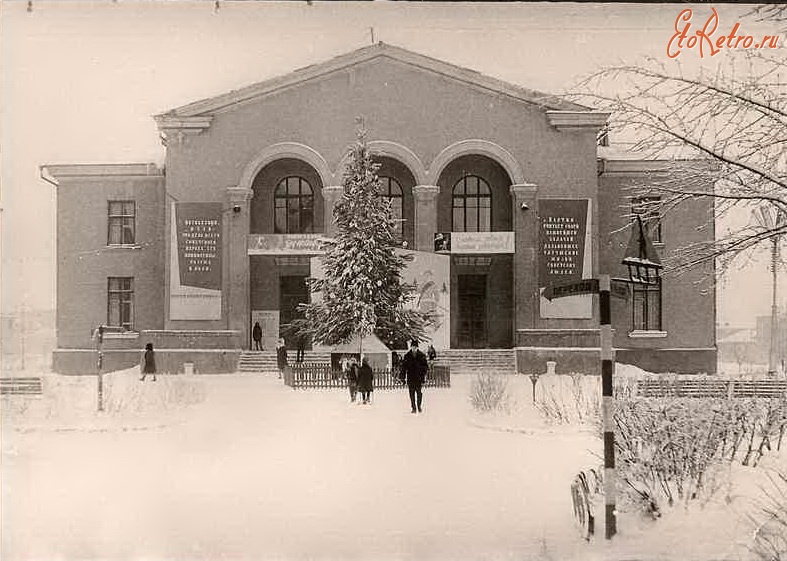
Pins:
<point x="195" y="261"/>
<point x="565" y="254"/>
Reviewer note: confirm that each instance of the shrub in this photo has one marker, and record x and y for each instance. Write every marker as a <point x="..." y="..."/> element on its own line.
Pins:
<point x="770" y="539"/>
<point x="489" y="393"/>
<point x="675" y="448"/>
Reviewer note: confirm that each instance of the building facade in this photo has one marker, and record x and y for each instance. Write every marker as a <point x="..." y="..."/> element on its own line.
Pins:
<point x="505" y="189"/>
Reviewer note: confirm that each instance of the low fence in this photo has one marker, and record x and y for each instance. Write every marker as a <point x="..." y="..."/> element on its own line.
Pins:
<point x="322" y="376"/>
<point x="729" y="389"/>
<point x="31" y="386"/>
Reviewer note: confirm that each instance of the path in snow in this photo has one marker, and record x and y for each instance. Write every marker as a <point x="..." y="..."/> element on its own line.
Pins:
<point x="259" y="471"/>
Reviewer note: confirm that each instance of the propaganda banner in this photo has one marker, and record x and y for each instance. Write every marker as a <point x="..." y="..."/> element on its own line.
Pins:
<point x="195" y="261"/>
<point x="199" y="244"/>
<point x="565" y="255"/>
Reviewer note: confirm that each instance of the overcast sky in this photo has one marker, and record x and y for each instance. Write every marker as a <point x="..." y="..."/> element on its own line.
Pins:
<point x="80" y="82"/>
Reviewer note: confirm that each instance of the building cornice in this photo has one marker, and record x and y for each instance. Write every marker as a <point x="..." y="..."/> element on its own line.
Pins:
<point x="183" y="124"/>
<point x="577" y="120"/>
<point x="76" y="171"/>
<point x="633" y="167"/>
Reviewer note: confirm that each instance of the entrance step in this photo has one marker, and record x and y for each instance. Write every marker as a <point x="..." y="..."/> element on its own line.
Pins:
<point x="474" y="360"/>
<point x="265" y="361"/>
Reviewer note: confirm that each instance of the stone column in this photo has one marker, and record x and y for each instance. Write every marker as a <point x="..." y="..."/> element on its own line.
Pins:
<point x="331" y="195"/>
<point x="236" y="288"/>
<point x="525" y="214"/>
<point x="425" y="215"/>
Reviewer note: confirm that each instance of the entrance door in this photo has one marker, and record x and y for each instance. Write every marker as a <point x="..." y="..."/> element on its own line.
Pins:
<point x="472" y="311"/>
<point x="292" y="291"/>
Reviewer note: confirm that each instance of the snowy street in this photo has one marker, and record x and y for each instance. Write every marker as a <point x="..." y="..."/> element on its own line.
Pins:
<point x="260" y="471"/>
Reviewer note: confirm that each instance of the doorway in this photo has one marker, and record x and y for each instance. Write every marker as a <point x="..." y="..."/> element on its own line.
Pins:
<point x="292" y="292"/>
<point x="471" y="294"/>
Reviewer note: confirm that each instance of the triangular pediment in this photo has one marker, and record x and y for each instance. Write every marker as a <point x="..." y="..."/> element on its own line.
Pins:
<point x="379" y="51"/>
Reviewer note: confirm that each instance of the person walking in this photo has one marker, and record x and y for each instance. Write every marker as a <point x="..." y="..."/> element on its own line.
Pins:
<point x="365" y="380"/>
<point x="301" y="348"/>
<point x="148" y="362"/>
<point x="414" y="367"/>
<point x="351" y="372"/>
<point x="256" y="334"/>
<point x="281" y="356"/>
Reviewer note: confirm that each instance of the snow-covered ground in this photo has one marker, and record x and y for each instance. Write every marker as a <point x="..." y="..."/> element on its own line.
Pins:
<point x="242" y="467"/>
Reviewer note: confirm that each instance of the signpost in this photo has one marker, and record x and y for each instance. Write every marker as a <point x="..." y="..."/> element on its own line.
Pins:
<point x="98" y="335"/>
<point x="643" y="265"/>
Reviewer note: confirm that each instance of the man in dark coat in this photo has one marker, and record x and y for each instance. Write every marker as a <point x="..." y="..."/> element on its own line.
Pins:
<point x="256" y="334"/>
<point x="365" y="380"/>
<point x="414" y="367"/>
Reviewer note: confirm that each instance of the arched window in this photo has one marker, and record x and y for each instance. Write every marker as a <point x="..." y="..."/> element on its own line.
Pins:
<point x="294" y="206"/>
<point x="471" y="205"/>
<point x="391" y="190"/>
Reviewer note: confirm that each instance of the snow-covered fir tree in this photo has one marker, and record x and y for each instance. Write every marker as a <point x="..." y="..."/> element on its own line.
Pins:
<point x="362" y="290"/>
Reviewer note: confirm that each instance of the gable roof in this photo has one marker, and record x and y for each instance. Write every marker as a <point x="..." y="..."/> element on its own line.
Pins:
<point x="365" y="54"/>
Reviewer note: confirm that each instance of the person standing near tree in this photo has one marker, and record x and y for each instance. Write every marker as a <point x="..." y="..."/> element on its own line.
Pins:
<point x="365" y="380"/>
<point x="256" y="334"/>
<point x="414" y="367"/>
<point x="350" y="369"/>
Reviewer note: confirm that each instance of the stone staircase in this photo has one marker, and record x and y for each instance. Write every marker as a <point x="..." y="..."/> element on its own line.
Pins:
<point x="265" y="361"/>
<point x="475" y="360"/>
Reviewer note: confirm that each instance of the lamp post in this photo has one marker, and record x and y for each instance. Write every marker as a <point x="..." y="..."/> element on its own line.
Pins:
<point x="772" y="219"/>
<point x="644" y="268"/>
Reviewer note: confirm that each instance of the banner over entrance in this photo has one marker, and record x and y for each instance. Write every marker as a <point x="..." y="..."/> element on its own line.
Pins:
<point x="195" y="262"/>
<point x="565" y="255"/>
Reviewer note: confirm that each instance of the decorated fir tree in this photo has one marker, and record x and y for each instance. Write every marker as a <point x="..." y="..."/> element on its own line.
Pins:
<point x="362" y="290"/>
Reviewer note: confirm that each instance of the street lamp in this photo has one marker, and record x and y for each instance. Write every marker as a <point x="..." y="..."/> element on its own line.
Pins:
<point x="773" y="219"/>
<point x="641" y="259"/>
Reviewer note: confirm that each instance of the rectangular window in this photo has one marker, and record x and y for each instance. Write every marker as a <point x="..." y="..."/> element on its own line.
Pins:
<point x="122" y="227"/>
<point x="646" y="307"/>
<point x="649" y="209"/>
<point x="120" y="302"/>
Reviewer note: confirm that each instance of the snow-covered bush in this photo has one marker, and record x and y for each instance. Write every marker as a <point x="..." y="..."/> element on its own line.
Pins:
<point x="770" y="539"/>
<point x="567" y="399"/>
<point x="489" y="393"/>
<point x="675" y="449"/>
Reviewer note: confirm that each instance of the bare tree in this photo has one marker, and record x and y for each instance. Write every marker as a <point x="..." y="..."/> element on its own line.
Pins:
<point x="723" y="133"/>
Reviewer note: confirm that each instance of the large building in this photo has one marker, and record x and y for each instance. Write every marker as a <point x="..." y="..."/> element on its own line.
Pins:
<point x="502" y="191"/>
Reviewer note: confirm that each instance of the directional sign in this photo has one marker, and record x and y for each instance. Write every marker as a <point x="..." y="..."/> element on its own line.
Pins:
<point x="584" y="286"/>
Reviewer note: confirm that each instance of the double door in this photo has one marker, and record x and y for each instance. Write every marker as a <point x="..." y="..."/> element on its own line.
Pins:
<point x="471" y="294"/>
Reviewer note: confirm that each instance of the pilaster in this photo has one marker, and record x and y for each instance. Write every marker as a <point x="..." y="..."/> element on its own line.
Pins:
<point x="236" y="287"/>
<point x="524" y="198"/>
<point x="425" y="215"/>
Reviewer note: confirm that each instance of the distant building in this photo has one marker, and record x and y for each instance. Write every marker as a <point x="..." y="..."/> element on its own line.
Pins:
<point x="191" y="255"/>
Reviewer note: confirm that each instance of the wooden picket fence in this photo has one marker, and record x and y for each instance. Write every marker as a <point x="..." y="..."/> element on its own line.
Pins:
<point x="322" y="376"/>
<point x="31" y="386"/>
<point x="728" y="389"/>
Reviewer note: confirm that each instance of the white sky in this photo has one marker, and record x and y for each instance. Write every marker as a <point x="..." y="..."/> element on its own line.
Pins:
<point x="80" y="82"/>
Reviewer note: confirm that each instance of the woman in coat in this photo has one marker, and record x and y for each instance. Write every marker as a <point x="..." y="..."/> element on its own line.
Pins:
<point x="148" y="362"/>
<point x="365" y="380"/>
